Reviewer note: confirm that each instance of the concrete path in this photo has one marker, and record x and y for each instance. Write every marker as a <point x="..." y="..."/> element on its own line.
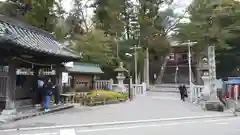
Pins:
<point x="153" y="106"/>
<point x="186" y="127"/>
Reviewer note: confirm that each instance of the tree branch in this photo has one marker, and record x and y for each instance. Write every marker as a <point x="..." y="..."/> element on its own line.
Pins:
<point x="178" y="20"/>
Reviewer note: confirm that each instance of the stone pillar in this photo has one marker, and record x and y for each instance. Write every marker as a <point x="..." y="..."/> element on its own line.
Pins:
<point x="10" y="92"/>
<point x="110" y="84"/>
<point x="212" y="72"/>
<point x="206" y="90"/>
<point x="212" y="102"/>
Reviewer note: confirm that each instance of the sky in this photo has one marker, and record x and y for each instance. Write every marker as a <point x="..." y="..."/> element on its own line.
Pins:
<point x="67" y="5"/>
<point x="179" y="5"/>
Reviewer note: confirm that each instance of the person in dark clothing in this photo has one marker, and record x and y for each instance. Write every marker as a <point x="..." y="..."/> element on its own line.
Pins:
<point x="47" y="92"/>
<point x="220" y="96"/>
<point x="56" y="94"/>
<point x="34" y="89"/>
<point x="40" y="91"/>
<point x="182" y="89"/>
<point x="185" y="94"/>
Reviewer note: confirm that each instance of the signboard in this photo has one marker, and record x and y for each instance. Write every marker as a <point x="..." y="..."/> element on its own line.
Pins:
<point x="64" y="77"/>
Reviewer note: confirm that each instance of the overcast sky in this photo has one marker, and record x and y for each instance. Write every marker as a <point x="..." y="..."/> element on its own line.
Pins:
<point x="179" y="5"/>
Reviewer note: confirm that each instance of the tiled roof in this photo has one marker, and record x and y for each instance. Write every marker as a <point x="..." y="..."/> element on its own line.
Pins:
<point x="31" y="38"/>
<point x="85" y="68"/>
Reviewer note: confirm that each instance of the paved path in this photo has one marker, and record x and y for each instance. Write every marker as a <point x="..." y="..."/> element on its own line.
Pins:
<point x="212" y="126"/>
<point x="153" y="106"/>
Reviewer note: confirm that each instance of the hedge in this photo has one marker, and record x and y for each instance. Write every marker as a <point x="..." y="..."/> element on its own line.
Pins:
<point x="96" y="97"/>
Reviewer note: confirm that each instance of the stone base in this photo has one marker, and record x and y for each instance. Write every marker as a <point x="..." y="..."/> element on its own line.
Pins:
<point x="8" y="111"/>
<point x="214" y="106"/>
<point x="120" y="88"/>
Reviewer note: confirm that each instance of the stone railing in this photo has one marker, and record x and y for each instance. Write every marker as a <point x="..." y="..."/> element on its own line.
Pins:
<point x="103" y="84"/>
<point x="138" y="89"/>
<point x="197" y="93"/>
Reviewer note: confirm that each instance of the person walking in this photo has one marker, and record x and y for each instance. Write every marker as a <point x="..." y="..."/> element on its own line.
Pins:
<point x="47" y="92"/>
<point x="56" y="94"/>
<point x="181" y="90"/>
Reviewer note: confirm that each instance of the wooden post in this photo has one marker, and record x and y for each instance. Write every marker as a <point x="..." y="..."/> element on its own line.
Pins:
<point x="10" y="91"/>
<point x="59" y="71"/>
<point x="130" y="89"/>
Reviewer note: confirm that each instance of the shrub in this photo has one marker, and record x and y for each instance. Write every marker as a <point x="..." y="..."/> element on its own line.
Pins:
<point x="104" y="96"/>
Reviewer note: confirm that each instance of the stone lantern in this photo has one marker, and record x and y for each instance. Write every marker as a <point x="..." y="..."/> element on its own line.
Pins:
<point x="120" y="77"/>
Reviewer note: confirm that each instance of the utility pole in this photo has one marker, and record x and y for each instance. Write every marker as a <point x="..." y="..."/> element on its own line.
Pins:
<point x="146" y="68"/>
<point x="190" y="71"/>
<point x="116" y="38"/>
<point x="135" y="63"/>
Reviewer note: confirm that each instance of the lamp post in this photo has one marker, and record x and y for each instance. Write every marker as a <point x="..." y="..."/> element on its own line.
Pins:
<point x="130" y="93"/>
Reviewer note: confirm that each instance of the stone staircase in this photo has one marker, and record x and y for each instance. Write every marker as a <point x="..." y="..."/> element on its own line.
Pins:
<point x="175" y="70"/>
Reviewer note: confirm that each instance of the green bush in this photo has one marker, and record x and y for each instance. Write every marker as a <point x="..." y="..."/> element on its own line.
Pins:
<point x="104" y="96"/>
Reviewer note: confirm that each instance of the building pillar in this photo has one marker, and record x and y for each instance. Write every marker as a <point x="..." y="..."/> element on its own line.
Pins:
<point x="10" y="107"/>
<point x="59" y="71"/>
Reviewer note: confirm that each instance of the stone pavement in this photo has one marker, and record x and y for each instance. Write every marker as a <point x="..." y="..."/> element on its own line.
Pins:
<point x="173" y="128"/>
<point x="30" y="112"/>
<point x="153" y="106"/>
<point x="224" y="126"/>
